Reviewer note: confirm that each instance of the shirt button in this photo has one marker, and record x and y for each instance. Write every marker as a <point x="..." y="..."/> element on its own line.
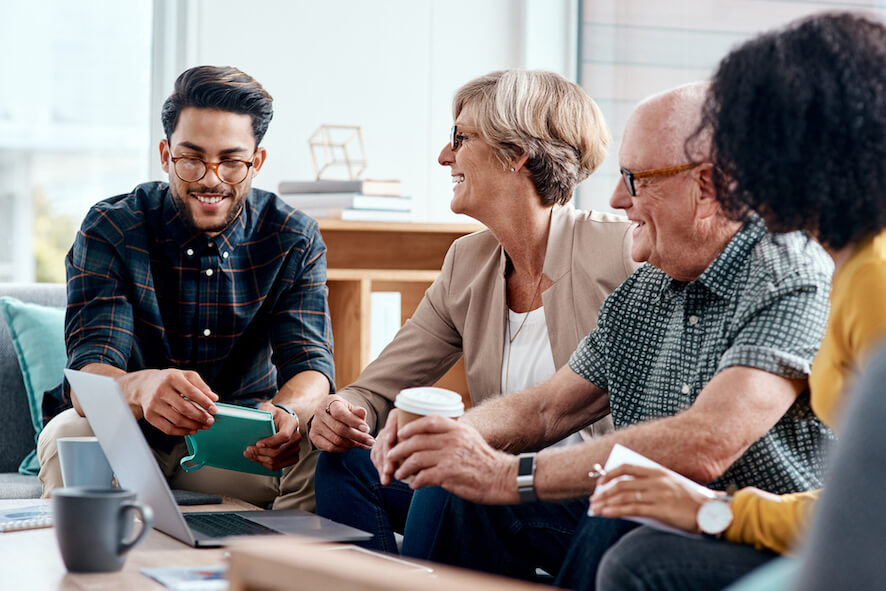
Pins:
<point x="209" y="272"/>
<point x="190" y="252"/>
<point x="210" y="244"/>
<point x="206" y="332"/>
<point x="685" y="389"/>
<point x="225" y="254"/>
<point x="693" y="320"/>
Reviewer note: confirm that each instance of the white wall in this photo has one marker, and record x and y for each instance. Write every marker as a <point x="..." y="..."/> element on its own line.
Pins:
<point x="390" y="66"/>
<point x="635" y="48"/>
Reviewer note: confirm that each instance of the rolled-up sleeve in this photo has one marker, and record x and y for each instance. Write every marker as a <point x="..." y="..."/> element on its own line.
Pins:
<point x="780" y="331"/>
<point x="301" y="330"/>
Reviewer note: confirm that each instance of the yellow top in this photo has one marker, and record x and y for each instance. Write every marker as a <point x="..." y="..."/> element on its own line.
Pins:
<point x="856" y="325"/>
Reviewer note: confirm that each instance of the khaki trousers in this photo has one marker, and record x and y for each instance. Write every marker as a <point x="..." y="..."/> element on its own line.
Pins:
<point x="293" y="490"/>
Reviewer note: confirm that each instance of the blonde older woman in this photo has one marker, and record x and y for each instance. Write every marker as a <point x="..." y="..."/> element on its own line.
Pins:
<point x="514" y="300"/>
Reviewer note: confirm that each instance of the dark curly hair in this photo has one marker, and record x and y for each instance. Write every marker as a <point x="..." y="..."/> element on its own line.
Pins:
<point x="797" y="118"/>
<point x="219" y="87"/>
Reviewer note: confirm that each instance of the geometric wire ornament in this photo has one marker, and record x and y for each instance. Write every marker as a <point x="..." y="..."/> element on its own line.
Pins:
<point x="338" y="146"/>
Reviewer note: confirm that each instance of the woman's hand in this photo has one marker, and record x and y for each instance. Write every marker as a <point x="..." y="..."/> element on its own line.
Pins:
<point x="340" y="427"/>
<point x="650" y="492"/>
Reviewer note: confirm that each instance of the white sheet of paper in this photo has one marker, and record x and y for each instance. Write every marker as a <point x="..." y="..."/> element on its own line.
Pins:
<point x="622" y="455"/>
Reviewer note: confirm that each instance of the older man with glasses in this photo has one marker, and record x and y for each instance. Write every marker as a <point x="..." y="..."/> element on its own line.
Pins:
<point x="703" y="354"/>
<point x="199" y="290"/>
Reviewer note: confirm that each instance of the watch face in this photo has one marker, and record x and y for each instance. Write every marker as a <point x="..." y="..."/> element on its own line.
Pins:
<point x="714" y="516"/>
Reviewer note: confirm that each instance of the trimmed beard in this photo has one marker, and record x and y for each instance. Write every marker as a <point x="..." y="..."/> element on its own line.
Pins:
<point x="188" y="216"/>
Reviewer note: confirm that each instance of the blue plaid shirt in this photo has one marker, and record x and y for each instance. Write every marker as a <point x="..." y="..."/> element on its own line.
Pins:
<point x="246" y="309"/>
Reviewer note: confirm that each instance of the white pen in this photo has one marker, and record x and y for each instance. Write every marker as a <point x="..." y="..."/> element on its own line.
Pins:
<point x="197" y="406"/>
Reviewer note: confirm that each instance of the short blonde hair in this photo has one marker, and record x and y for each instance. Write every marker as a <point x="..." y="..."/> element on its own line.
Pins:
<point x="545" y="116"/>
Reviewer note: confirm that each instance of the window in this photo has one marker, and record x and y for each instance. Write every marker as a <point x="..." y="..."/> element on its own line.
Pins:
<point x="74" y="122"/>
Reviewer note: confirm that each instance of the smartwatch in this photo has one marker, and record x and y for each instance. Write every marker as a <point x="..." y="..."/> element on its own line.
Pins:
<point x="526" y="478"/>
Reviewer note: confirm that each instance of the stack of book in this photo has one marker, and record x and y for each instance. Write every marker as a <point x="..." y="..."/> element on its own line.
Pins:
<point x="364" y="200"/>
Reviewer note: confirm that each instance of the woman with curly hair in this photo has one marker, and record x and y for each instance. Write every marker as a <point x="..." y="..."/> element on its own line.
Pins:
<point x="797" y="119"/>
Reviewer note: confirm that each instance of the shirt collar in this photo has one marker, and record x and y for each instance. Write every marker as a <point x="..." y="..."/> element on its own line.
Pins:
<point x="186" y="236"/>
<point x="720" y="277"/>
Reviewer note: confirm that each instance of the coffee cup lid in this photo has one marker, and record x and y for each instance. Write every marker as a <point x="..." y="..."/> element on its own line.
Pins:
<point x="430" y="401"/>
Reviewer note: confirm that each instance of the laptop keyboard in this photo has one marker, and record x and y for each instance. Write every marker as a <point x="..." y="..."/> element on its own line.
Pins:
<point x="222" y="525"/>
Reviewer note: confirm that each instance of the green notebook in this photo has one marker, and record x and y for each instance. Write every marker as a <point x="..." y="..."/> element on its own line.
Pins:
<point x="222" y="445"/>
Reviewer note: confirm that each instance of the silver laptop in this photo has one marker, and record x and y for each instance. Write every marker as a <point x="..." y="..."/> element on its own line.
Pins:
<point x="136" y="469"/>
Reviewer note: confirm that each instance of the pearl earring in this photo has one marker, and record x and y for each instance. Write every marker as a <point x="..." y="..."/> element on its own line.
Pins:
<point x="512" y="169"/>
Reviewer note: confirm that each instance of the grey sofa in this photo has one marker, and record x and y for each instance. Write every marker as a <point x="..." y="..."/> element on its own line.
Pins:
<point x="16" y="432"/>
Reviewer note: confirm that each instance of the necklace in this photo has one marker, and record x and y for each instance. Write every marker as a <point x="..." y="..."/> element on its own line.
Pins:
<point x="512" y="338"/>
<point x="525" y="316"/>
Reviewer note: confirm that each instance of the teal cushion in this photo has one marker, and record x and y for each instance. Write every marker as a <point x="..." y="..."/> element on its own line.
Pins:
<point x="38" y="335"/>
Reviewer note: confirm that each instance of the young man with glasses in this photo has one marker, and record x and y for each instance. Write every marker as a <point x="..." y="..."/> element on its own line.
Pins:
<point x="199" y="290"/>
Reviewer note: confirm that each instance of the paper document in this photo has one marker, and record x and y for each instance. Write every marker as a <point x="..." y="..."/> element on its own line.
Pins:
<point x="622" y="455"/>
<point x="28" y="517"/>
<point x="190" y="578"/>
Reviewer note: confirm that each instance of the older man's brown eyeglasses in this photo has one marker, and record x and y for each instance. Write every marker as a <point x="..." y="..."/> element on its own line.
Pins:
<point x="629" y="177"/>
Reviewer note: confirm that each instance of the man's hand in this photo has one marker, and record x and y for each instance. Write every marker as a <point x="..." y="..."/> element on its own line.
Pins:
<point x="176" y="402"/>
<point x="437" y="451"/>
<point x="339" y="426"/>
<point x="280" y="449"/>
<point x="379" y="455"/>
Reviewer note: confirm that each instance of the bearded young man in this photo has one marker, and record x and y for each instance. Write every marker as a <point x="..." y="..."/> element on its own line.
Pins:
<point x="199" y="290"/>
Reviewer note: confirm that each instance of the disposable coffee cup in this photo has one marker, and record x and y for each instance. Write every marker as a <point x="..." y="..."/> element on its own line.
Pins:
<point x="83" y="463"/>
<point x="415" y="403"/>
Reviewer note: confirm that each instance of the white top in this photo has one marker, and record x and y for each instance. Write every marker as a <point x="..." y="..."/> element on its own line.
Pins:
<point x="531" y="359"/>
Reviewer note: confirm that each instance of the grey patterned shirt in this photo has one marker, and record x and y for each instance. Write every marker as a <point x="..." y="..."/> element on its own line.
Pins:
<point x="762" y="303"/>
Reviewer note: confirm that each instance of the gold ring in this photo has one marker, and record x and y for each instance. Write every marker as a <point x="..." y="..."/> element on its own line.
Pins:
<point x="328" y="406"/>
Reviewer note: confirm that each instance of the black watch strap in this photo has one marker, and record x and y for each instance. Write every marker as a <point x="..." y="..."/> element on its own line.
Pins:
<point x="526" y="478"/>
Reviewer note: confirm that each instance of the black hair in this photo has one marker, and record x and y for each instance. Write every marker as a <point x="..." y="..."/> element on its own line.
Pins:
<point x="797" y="118"/>
<point x="219" y="87"/>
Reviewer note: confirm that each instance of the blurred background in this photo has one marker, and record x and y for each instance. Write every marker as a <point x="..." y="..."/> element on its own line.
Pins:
<point x="81" y="85"/>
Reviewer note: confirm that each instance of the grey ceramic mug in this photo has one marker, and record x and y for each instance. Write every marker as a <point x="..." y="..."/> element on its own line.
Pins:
<point x="94" y="526"/>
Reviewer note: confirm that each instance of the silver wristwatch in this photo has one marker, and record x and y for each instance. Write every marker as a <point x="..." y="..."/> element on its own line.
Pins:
<point x="287" y="409"/>
<point x="526" y="478"/>
<point x="715" y="515"/>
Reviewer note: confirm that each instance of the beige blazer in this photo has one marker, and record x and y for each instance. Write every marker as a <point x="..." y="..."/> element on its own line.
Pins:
<point x="463" y="311"/>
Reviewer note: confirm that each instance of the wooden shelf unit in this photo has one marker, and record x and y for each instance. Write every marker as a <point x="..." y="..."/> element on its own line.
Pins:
<point x="363" y="257"/>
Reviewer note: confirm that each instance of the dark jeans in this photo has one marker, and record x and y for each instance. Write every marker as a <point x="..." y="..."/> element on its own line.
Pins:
<point x="647" y="559"/>
<point x="348" y="491"/>
<point x="510" y="540"/>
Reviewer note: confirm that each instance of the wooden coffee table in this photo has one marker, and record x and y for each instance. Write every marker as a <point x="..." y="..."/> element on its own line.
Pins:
<point x="31" y="559"/>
